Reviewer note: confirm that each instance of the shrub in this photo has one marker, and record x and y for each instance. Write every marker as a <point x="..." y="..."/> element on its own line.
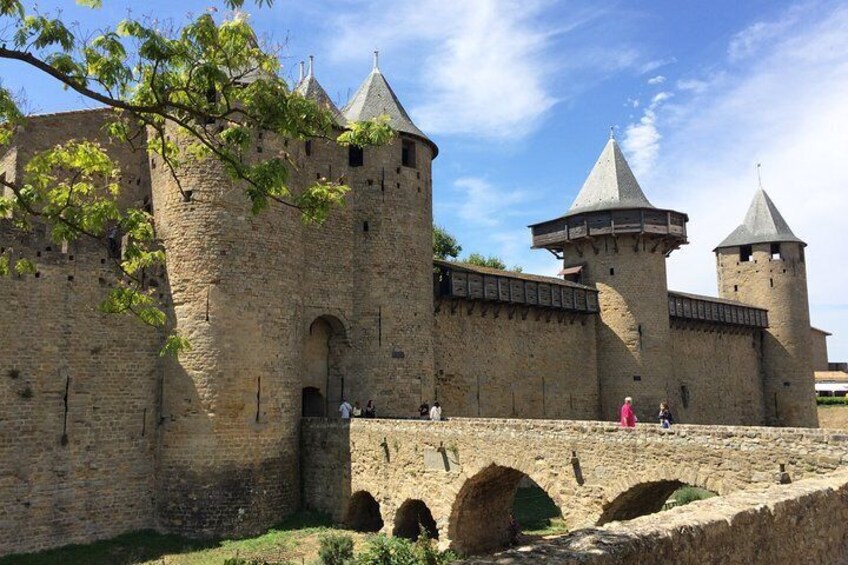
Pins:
<point x="685" y="495"/>
<point x="383" y="550"/>
<point x="335" y="549"/>
<point x="831" y="400"/>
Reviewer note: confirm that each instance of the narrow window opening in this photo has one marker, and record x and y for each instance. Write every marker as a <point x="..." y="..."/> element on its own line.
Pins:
<point x="745" y="253"/>
<point x="771" y="283"/>
<point x="364" y="226"/>
<point x="612" y="271"/>
<point x="775" y="252"/>
<point x="407" y="155"/>
<point x="259" y="149"/>
<point x="736" y="288"/>
<point x="684" y="396"/>
<point x="355" y="156"/>
<point x="308" y="147"/>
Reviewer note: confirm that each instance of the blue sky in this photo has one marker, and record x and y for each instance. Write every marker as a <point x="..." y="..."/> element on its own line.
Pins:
<point x="520" y="95"/>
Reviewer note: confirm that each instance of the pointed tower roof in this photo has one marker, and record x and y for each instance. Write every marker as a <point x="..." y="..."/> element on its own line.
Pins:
<point x="610" y="186"/>
<point x="376" y="98"/>
<point x="763" y="224"/>
<point x="311" y="89"/>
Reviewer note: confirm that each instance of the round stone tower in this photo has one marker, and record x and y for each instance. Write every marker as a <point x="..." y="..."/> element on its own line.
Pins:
<point x="228" y="457"/>
<point x="392" y="256"/>
<point x="762" y="263"/>
<point x="613" y="238"/>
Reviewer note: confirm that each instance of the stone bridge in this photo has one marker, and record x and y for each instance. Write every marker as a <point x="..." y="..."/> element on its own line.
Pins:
<point x="458" y="478"/>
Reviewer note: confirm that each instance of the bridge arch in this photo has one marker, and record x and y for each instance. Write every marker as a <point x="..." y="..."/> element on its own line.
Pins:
<point x="414" y="518"/>
<point x="363" y="513"/>
<point x="640" y="499"/>
<point x="481" y="517"/>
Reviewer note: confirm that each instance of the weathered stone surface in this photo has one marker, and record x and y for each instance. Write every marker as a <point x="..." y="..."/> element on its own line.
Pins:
<point x="805" y="522"/>
<point x="595" y="472"/>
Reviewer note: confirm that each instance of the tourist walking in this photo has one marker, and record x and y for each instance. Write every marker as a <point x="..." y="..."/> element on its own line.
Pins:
<point x="370" y="410"/>
<point x="665" y="416"/>
<point x="436" y="411"/>
<point x="345" y="409"/>
<point x="628" y="417"/>
<point x="357" y="411"/>
<point x="424" y="411"/>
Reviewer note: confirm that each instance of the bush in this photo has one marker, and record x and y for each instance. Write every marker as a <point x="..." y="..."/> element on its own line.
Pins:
<point x="831" y="400"/>
<point x="335" y="549"/>
<point x="383" y="550"/>
<point x="687" y="494"/>
<point x="243" y="561"/>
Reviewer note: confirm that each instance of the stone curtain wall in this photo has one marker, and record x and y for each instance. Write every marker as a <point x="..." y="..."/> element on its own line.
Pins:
<point x="78" y="389"/>
<point x="717" y="376"/>
<point x="78" y="405"/>
<point x="538" y="365"/>
<point x="400" y="460"/>
<point x="805" y="522"/>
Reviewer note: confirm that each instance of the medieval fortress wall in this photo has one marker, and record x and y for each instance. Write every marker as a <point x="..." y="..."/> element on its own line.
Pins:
<point x="99" y="435"/>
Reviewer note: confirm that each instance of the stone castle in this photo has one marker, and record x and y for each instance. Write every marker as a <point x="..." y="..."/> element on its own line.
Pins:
<point x="100" y="435"/>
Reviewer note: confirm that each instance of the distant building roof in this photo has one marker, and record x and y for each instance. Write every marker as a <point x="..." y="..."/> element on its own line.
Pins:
<point x="714" y="299"/>
<point x="815" y="329"/>
<point x="376" y="98"/>
<point x="763" y="224"/>
<point x="611" y="185"/>
<point x="831" y="376"/>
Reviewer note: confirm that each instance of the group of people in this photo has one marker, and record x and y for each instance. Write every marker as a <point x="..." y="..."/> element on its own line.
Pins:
<point x="628" y="417"/>
<point x="427" y="412"/>
<point x="347" y="411"/>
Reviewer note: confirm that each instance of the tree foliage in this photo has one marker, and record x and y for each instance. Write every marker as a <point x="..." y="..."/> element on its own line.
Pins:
<point x="444" y="244"/>
<point x="210" y="85"/>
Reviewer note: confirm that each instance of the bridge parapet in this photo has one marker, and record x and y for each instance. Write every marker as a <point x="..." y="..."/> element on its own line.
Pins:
<point x="466" y="470"/>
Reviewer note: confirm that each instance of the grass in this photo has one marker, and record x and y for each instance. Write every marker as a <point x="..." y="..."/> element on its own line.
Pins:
<point x="294" y="540"/>
<point x="536" y="513"/>
<point x="833" y="416"/>
<point x="686" y="494"/>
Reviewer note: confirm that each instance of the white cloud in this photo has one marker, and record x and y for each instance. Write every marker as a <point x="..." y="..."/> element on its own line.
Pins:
<point x="785" y="109"/>
<point x="751" y="39"/>
<point x="485" y="67"/>
<point x="655" y="64"/>
<point x="484" y="204"/>
<point x="659" y="79"/>
<point x="642" y="138"/>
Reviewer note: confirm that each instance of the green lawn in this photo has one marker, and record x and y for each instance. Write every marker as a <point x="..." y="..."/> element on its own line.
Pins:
<point x="536" y="513"/>
<point x="295" y="540"/>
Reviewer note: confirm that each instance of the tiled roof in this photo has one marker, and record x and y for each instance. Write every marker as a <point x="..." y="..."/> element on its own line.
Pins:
<point x="311" y="89"/>
<point x="763" y="224"/>
<point x="376" y="98"/>
<point x="610" y="186"/>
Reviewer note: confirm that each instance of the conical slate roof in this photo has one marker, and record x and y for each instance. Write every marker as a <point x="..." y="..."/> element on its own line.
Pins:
<point x="311" y="89"/>
<point x="610" y="186"/>
<point x="376" y="98"/>
<point x="763" y="224"/>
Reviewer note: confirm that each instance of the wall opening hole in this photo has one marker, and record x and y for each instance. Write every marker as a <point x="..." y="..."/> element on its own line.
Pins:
<point x="407" y="153"/>
<point x="355" y="156"/>
<point x="745" y="252"/>
<point x="308" y="147"/>
<point x="363" y="513"/>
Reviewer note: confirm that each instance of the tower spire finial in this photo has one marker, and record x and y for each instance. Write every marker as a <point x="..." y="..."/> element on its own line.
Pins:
<point x="612" y="132"/>
<point x="300" y="73"/>
<point x="759" y="175"/>
<point x="311" y="64"/>
<point x="376" y="60"/>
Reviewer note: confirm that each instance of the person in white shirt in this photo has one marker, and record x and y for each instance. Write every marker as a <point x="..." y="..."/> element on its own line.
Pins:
<point x="345" y="409"/>
<point x="436" y="411"/>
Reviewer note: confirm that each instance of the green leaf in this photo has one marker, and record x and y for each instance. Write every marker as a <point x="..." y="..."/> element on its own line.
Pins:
<point x="174" y="345"/>
<point x="24" y="267"/>
<point x="4" y="265"/>
<point x="91" y="3"/>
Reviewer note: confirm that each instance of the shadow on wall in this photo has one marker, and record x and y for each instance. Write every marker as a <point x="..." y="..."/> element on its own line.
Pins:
<point x="414" y="518"/>
<point x="482" y="517"/>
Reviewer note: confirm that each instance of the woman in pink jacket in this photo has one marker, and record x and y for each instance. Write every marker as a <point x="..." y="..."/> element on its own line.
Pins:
<point x="628" y="418"/>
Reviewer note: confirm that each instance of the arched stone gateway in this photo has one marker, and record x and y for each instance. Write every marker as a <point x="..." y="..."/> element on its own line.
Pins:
<point x="323" y="366"/>
<point x="639" y="500"/>
<point x="412" y="519"/>
<point x="480" y="519"/>
<point x="363" y="513"/>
